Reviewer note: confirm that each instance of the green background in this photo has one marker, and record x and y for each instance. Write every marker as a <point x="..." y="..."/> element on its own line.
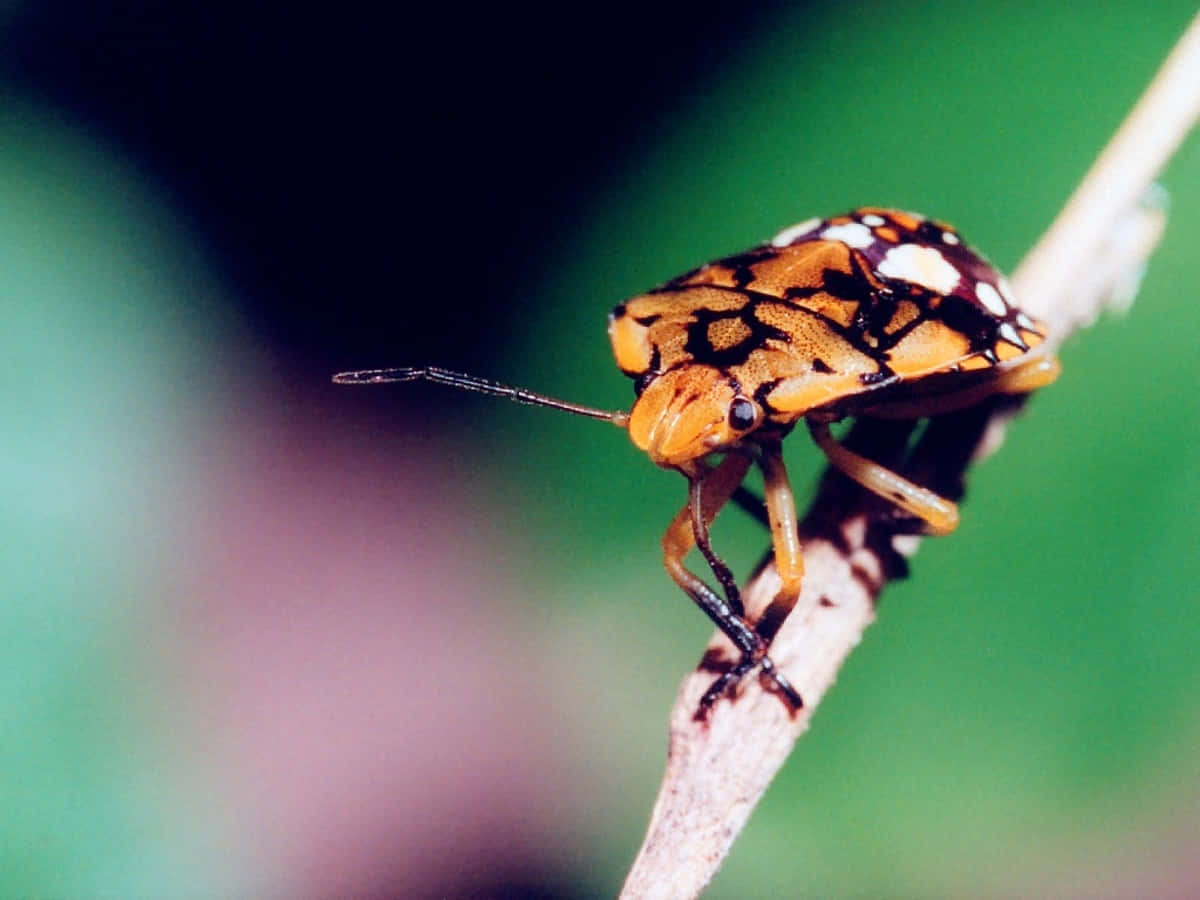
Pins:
<point x="1021" y="718"/>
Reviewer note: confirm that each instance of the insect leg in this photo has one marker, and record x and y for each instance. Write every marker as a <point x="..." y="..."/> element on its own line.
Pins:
<point x="785" y="537"/>
<point x="718" y="566"/>
<point x="1029" y="377"/>
<point x="708" y="492"/>
<point x="752" y="505"/>
<point x="938" y="513"/>
<point x="1022" y="378"/>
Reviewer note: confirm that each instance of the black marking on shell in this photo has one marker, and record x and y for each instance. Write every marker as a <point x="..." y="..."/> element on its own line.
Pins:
<point x="702" y="351"/>
<point x="762" y="395"/>
<point x="970" y="319"/>
<point x="875" y="296"/>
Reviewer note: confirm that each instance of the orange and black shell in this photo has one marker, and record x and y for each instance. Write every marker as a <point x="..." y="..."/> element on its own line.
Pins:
<point x="827" y="309"/>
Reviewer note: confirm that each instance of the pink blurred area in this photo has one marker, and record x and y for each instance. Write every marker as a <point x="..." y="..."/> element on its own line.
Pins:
<point x="358" y="682"/>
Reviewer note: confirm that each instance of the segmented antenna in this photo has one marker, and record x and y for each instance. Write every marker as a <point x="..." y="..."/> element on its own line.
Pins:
<point x="620" y="418"/>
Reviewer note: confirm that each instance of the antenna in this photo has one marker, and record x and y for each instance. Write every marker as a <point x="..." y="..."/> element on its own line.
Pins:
<point x="466" y="382"/>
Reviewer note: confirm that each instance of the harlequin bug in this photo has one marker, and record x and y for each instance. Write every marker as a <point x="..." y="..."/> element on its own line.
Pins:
<point x="875" y="313"/>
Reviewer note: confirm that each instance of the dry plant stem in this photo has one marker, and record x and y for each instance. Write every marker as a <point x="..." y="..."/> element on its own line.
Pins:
<point x="1117" y="180"/>
<point x="718" y="770"/>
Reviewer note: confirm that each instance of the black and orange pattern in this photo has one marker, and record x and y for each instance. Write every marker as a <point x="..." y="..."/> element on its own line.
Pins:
<point x="830" y="309"/>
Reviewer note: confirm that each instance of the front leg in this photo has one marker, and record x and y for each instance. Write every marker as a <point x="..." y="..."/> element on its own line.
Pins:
<point x="710" y="490"/>
<point x="704" y="502"/>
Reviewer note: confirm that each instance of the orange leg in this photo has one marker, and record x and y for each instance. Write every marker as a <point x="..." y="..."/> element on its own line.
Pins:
<point x="1023" y="378"/>
<point x="785" y="538"/>
<point x="709" y="491"/>
<point x="938" y="513"/>
<point x="1030" y="376"/>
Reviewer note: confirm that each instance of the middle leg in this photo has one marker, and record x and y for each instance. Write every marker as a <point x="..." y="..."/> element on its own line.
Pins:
<point x="785" y="540"/>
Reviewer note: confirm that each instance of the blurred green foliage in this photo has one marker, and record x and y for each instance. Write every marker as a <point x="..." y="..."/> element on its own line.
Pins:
<point x="95" y="411"/>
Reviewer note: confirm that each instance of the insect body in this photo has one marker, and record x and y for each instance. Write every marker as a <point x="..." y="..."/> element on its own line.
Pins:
<point x="874" y="313"/>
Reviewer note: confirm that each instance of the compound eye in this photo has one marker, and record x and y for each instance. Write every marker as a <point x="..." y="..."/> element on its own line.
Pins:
<point x="743" y="414"/>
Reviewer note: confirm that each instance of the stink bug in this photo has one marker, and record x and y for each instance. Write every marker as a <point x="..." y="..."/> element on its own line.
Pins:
<point x="874" y="313"/>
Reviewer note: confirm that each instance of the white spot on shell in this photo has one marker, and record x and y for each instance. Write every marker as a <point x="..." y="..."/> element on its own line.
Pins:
<point x="991" y="300"/>
<point x="789" y="235"/>
<point x="951" y="238"/>
<point x="873" y="220"/>
<point x="921" y="265"/>
<point x="1006" y="291"/>
<point x="855" y="234"/>
<point x="1010" y="334"/>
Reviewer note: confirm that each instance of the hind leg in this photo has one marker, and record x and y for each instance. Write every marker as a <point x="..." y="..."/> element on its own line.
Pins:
<point x="939" y="514"/>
